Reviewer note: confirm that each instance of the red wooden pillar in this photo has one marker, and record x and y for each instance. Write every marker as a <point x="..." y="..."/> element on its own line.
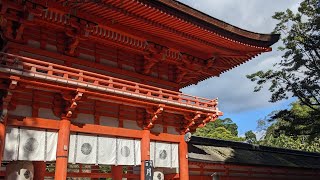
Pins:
<point x="145" y="151"/>
<point x="39" y="170"/>
<point x="183" y="160"/>
<point x="2" y="139"/>
<point x="62" y="149"/>
<point x="95" y="168"/>
<point x="116" y="172"/>
<point x="129" y="172"/>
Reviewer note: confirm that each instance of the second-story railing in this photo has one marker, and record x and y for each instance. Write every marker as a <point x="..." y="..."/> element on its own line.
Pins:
<point x="30" y="67"/>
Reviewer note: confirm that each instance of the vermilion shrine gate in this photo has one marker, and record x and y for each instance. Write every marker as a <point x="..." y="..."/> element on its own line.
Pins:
<point x="96" y="83"/>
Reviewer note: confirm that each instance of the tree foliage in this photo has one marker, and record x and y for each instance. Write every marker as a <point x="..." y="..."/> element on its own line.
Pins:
<point x="251" y="137"/>
<point x="298" y="72"/>
<point x="301" y="142"/>
<point x="278" y="135"/>
<point x="296" y="121"/>
<point x="224" y="129"/>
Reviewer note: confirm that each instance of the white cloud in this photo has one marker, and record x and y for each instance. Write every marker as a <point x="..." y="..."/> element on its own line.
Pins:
<point x="234" y="90"/>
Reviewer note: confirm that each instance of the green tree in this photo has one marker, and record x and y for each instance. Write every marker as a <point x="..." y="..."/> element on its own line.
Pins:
<point x="277" y="134"/>
<point x="296" y="121"/>
<point x="298" y="73"/>
<point x="251" y="137"/>
<point x="224" y="129"/>
<point x="289" y="142"/>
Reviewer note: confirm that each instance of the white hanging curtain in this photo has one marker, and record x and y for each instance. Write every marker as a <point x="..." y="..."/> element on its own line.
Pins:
<point x="30" y="145"/>
<point x="83" y="149"/>
<point x="11" y="145"/>
<point x="137" y="150"/>
<point x="164" y="154"/>
<point x="175" y="155"/>
<point x="51" y="147"/>
<point x="128" y="152"/>
<point x="86" y="149"/>
<point x="107" y="150"/>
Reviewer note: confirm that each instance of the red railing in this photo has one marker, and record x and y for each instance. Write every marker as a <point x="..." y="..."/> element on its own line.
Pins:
<point x="25" y="66"/>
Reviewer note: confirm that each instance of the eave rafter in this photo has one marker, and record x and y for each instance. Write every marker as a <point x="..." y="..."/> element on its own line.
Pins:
<point x="150" y="22"/>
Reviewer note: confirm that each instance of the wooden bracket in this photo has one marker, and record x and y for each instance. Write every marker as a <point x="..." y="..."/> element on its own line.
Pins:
<point x="25" y="19"/>
<point x="210" y="118"/>
<point x="80" y="31"/>
<point x="155" y="54"/>
<point x="71" y="45"/>
<point x="181" y="73"/>
<point x="6" y="98"/>
<point x="154" y="115"/>
<point x="148" y="64"/>
<point x="192" y="121"/>
<point x="209" y="63"/>
<point x="4" y="8"/>
<point x="73" y="103"/>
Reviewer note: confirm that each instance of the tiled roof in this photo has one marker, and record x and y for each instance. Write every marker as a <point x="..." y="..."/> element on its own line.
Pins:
<point x="229" y="152"/>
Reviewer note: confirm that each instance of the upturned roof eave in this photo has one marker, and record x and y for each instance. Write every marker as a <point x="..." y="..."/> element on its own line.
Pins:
<point x="213" y="24"/>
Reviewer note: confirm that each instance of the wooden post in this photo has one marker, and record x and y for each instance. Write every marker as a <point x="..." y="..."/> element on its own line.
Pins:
<point x="39" y="170"/>
<point x="116" y="172"/>
<point x="183" y="159"/>
<point x="129" y="172"/>
<point x="95" y="168"/>
<point x="2" y="139"/>
<point x="145" y="151"/>
<point x="62" y="149"/>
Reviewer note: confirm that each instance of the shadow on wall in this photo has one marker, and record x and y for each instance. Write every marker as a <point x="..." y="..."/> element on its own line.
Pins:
<point x="17" y="167"/>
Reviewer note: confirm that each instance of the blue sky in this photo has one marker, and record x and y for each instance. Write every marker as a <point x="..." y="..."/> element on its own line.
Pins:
<point x="235" y="92"/>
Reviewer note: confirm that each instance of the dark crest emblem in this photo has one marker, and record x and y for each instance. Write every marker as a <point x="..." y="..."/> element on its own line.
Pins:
<point x="163" y="154"/>
<point x="86" y="148"/>
<point x="125" y="151"/>
<point x="27" y="174"/>
<point x="31" y="144"/>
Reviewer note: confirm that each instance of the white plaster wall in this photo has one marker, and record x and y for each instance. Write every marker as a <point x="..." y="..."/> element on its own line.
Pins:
<point x="86" y="56"/>
<point x="84" y="118"/>
<point x="109" y="121"/>
<point x="37" y="56"/>
<point x="129" y="124"/>
<point x="157" y="128"/>
<point x="33" y="43"/>
<point x="22" y="110"/>
<point x="172" y="130"/>
<point x="108" y="62"/>
<point x="51" y="48"/>
<point x="47" y="114"/>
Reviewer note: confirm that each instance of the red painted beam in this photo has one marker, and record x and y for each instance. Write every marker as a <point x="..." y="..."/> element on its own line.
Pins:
<point x="33" y="122"/>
